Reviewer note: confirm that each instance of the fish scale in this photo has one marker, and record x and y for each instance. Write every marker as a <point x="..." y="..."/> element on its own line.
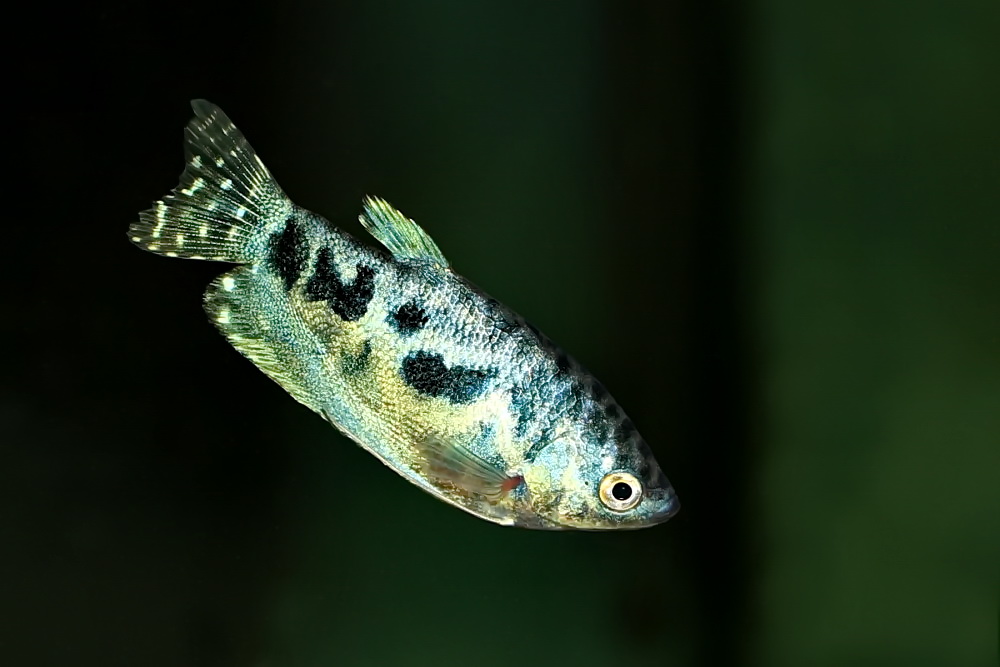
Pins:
<point x="442" y="383"/>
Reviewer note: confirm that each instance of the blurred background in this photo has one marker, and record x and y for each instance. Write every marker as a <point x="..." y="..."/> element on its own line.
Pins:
<point x="771" y="228"/>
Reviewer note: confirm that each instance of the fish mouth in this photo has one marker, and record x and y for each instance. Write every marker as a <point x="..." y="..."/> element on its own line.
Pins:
<point x="671" y="506"/>
<point x="668" y="506"/>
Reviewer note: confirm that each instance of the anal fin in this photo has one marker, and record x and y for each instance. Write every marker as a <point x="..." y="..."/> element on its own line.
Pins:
<point x="229" y="305"/>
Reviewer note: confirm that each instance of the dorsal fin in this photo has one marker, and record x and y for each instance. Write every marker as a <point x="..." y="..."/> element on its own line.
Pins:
<point x="403" y="237"/>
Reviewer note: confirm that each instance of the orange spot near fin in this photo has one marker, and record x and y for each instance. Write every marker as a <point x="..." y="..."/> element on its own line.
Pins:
<point x="510" y="484"/>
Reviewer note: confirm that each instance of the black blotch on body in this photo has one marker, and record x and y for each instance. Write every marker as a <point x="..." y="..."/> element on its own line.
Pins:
<point x="427" y="373"/>
<point x="598" y="427"/>
<point x="348" y="301"/>
<point x="563" y="362"/>
<point x="598" y="391"/>
<point x="408" y="318"/>
<point x="289" y="252"/>
<point x="537" y="446"/>
<point x="355" y="364"/>
<point x="534" y="330"/>
<point x="650" y="474"/>
<point x="502" y="318"/>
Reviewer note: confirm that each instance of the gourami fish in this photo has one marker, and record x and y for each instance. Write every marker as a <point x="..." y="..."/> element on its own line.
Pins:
<point x="446" y="386"/>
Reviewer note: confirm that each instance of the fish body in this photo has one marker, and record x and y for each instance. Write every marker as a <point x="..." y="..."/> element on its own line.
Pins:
<point x="442" y="383"/>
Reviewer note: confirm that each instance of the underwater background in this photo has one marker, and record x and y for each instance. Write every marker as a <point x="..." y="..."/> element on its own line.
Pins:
<point x="771" y="228"/>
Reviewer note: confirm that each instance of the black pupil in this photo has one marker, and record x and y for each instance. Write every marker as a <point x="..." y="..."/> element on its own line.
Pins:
<point x="621" y="491"/>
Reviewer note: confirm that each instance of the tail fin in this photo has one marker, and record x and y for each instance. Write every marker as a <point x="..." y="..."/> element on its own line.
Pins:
<point x="225" y="202"/>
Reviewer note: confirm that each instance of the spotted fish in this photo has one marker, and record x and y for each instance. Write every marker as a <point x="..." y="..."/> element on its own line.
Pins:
<point x="442" y="383"/>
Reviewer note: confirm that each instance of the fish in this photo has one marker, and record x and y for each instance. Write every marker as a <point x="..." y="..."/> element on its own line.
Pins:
<point x="442" y="383"/>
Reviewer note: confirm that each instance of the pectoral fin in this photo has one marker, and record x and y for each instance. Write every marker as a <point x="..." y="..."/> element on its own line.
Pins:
<point x="454" y="464"/>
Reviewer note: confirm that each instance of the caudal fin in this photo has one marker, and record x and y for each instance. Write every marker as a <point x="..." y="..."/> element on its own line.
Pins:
<point x="226" y="200"/>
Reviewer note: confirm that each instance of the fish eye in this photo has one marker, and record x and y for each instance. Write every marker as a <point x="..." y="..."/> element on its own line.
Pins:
<point x="620" y="491"/>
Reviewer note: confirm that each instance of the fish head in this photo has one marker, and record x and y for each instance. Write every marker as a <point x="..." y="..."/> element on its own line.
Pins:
<point x="598" y="479"/>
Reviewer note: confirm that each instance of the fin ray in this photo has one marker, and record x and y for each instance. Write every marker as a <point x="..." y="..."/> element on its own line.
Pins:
<point x="455" y="464"/>
<point x="245" y="326"/>
<point x="403" y="237"/>
<point x="224" y="201"/>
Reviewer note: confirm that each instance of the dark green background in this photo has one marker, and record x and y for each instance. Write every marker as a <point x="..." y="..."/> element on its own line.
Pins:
<point x="771" y="228"/>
